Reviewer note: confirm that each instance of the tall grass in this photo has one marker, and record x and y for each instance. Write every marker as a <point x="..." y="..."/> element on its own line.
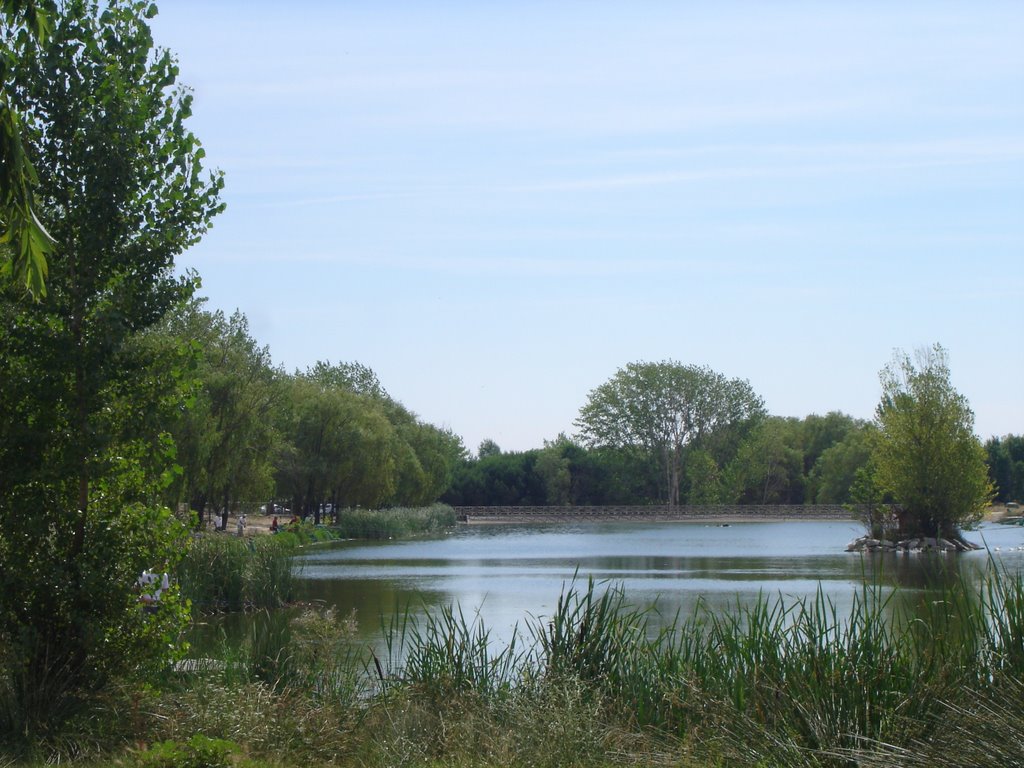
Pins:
<point x="394" y="523"/>
<point x="777" y="680"/>
<point x="447" y="655"/>
<point x="293" y="690"/>
<point x="228" y="573"/>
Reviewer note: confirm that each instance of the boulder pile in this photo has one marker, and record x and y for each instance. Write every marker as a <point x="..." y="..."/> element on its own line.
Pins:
<point x="924" y="544"/>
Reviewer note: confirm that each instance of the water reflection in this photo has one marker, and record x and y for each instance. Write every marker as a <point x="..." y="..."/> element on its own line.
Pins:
<point x="512" y="574"/>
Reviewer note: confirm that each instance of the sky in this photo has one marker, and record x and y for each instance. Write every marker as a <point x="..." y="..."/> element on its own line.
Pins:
<point x="498" y="205"/>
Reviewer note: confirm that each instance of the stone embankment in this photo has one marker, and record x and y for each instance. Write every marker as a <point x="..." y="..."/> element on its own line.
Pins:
<point x="654" y="512"/>
<point x="924" y="544"/>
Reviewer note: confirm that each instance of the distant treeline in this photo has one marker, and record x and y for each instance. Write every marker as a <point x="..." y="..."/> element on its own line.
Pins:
<point x="781" y="461"/>
<point x="773" y="460"/>
<point x="332" y="434"/>
<point x="1006" y="466"/>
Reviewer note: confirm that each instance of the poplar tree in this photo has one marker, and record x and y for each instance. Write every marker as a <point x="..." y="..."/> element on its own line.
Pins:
<point x="83" y="454"/>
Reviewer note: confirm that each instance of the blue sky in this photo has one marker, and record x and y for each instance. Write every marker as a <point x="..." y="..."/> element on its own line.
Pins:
<point x="497" y="205"/>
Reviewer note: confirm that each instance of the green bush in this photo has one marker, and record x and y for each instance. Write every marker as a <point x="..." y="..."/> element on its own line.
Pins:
<point x="198" y="752"/>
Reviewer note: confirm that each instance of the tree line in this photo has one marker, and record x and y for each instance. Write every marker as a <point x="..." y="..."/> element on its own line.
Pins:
<point x="1005" y="459"/>
<point x="328" y="435"/>
<point x="773" y="460"/>
<point x="669" y="433"/>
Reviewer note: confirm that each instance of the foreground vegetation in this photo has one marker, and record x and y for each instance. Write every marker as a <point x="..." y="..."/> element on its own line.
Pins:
<point x="227" y="573"/>
<point x="779" y="683"/>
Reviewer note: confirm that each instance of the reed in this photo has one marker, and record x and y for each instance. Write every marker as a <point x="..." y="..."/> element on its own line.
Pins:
<point x="768" y="681"/>
<point x="447" y="654"/>
<point x="227" y="573"/>
<point x="395" y="522"/>
<point x="893" y="680"/>
<point x="230" y="573"/>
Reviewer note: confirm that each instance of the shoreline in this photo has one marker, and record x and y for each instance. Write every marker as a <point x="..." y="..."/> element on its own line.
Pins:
<point x="259" y="525"/>
<point x="711" y="519"/>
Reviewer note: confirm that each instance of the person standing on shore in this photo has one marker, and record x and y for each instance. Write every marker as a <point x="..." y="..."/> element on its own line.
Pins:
<point x="240" y="525"/>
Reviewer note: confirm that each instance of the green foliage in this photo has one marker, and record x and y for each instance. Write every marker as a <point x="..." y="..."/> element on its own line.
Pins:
<point x="198" y="752"/>
<point x="554" y="467"/>
<point x="768" y="467"/>
<point x="347" y="443"/>
<point x="499" y="478"/>
<point x="775" y="460"/>
<point x="926" y="455"/>
<point x="25" y="25"/>
<point x="834" y="472"/>
<point x="794" y="461"/>
<point x="703" y="478"/>
<point x="662" y="408"/>
<point x="487" y="448"/>
<point x="84" y="402"/>
<point x="225" y="439"/>
<point x="426" y="457"/>
<point x="340" y="446"/>
<point x="1005" y="459"/>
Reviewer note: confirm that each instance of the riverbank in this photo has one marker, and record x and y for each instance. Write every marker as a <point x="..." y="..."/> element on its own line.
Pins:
<point x="259" y="525"/>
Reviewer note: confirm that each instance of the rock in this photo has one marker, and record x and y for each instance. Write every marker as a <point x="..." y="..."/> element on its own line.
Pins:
<point x="906" y="546"/>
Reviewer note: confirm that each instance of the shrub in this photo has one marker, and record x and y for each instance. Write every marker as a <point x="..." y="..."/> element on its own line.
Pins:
<point x="198" y="752"/>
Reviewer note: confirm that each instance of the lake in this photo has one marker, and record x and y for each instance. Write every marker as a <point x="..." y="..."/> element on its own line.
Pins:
<point x="510" y="573"/>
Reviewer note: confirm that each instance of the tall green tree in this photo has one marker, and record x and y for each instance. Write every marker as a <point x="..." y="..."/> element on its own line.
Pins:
<point x="226" y="439"/>
<point x="768" y="467"/>
<point x="927" y="458"/>
<point x="663" y="408"/>
<point x="427" y="457"/>
<point x="835" y="471"/>
<point x="703" y="478"/>
<point x="487" y="448"/>
<point x="339" y="446"/>
<point x="1006" y="466"/>
<point x="83" y="452"/>
<point x="554" y="467"/>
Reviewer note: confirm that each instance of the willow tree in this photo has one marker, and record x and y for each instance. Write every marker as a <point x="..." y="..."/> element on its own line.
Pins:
<point x="926" y="457"/>
<point x="83" y="404"/>
<point x="665" y="408"/>
<point x="226" y="440"/>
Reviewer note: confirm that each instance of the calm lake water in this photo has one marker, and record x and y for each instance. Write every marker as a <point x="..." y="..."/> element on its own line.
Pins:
<point x="512" y="574"/>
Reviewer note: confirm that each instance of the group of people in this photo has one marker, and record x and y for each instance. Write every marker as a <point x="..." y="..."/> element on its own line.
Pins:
<point x="219" y="522"/>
